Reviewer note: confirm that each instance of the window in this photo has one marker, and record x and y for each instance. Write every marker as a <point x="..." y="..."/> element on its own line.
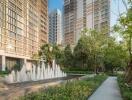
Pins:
<point x="11" y="34"/>
<point x="18" y="30"/>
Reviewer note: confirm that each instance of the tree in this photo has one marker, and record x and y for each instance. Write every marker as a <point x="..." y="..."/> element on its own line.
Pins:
<point x="52" y="52"/>
<point x="124" y="27"/>
<point x="89" y="49"/>
<point x="115" y="55"/>
<point x="96" y="50"/>
<point x="58" y="54"/>
<point x="68" y="57"/>
<point x="81" y="52"/>
<point x="96" y="42"/>
<point x="46" y="53"/>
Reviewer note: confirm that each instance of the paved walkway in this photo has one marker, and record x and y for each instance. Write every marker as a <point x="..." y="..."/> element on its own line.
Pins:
<point x="109" y="90"/>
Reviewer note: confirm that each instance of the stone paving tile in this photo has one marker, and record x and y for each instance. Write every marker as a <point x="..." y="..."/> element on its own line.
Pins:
<point x="109" y="90"/>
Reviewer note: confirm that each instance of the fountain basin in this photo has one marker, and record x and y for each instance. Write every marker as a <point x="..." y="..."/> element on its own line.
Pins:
<point x="68" y="77"/>
<point x="15" y="90"/>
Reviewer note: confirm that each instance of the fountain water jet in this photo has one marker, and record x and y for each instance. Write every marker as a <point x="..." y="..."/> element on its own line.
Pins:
<point x="35" y="73"/>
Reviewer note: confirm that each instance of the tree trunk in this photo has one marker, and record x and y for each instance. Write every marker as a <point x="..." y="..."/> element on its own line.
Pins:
<point x="128" y="76"/>
<point x="129" y="69"/>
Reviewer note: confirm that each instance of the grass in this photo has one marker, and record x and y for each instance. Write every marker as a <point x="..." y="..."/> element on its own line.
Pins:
<point x="125" y="90"/>
<point x="75" y="90"/>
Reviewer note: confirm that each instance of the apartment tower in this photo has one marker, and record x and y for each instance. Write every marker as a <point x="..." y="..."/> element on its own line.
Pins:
<point x="80" y="14"/>
<point x="55" y="27"/>
<point x="23" y="29"/>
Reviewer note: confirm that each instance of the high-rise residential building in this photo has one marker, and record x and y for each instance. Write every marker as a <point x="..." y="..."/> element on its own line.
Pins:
<point x="80" y="14"/>
<point x="23" y="29"/>
<point x="55" y="27"/>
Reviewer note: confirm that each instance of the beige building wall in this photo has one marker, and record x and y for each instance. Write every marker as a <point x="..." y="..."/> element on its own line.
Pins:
<point x="80" y="14"/>
<point x="23" y="28"/>
<point x="69" y="21"/>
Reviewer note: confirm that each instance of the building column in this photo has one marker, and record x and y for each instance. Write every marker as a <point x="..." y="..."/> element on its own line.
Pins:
<point x="25" y="63"/>
<point x="3" y="63"/>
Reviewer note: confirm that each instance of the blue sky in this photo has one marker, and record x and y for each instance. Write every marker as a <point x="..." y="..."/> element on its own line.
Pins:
<point x="117" y="7"/>
<point x="53" y="4"/>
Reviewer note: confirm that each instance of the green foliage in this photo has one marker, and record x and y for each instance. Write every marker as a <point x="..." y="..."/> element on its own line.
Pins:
<point x="46" y="53"/>
<point x="79" y="72"/>
<point x="93" y="52"/>
<point x="58" y="54"/>
<point x="126" y="90"/>
<point x="68" y="57"/>
<point x="35" y="56"/>
<point x="3" y="73"/>
<point x="115" y="55"/>
<point x="88" y="51"/>
<point x="75" y="90"/>
<point x="17" y="67"/>
<point x="49" y="52"/>
<point x="81" y="52"/>
<point x="124" y="27"/>
<point x="96" y="50"/>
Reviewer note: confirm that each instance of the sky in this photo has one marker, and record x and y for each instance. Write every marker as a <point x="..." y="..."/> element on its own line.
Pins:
<point x="53" y="4"/>
<point x="117" y="7"/>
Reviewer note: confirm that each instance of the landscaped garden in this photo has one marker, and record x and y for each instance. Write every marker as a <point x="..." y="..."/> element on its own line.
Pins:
<point x="72" y="90"/>
<point x="126" y="90"/>
<point x="95" y="53"/>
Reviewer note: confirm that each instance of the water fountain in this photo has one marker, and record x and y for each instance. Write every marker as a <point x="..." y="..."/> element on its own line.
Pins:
<point x="35" y="73"/>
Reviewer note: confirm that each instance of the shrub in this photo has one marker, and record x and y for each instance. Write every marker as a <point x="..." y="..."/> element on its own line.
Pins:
<point x="126" y="90"/>
<point x="2" y="73"/>
<point x="75" y="90"/>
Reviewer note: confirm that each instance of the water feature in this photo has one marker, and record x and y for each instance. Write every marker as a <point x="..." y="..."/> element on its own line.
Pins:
<point x="35" y="73"/>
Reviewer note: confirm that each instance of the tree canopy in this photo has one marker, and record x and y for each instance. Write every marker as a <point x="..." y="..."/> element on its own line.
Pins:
<point x="124" y="27"/>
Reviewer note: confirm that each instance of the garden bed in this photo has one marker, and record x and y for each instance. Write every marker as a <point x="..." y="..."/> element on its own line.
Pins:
<point x="72" y="90"/>
<point x="126" y="90"/>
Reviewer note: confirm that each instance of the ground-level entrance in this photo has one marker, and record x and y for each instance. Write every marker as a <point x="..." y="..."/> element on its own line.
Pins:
<point x="13" y="62"/>
<point x="9" y="62"/>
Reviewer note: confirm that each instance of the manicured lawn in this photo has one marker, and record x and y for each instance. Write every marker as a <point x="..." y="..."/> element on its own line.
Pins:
<point x="74" y="90"/>
<point x="126" y="90"/>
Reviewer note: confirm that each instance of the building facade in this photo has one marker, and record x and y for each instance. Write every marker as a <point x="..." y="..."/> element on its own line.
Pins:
<point x="80" y="14"/>
<point x="23" y="29"/>
<point x="55" y="27"/>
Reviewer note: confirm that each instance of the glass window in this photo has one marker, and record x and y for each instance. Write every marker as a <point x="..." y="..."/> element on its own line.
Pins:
<point x="19" y="18"/>
<point x="18" y="30"/>
<point x="11" y="34"/>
